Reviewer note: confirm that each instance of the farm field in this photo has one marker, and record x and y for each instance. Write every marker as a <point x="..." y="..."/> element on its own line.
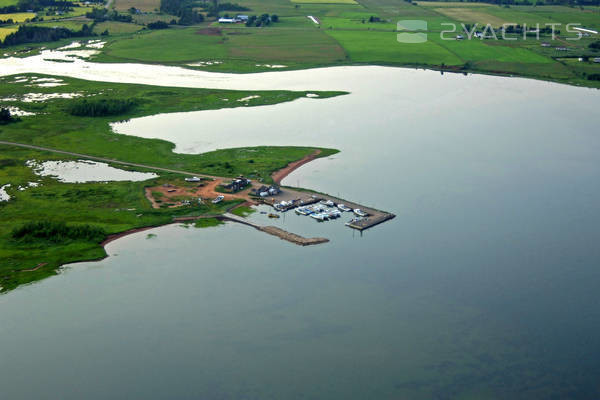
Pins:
<point x="4" y="32"/>
<point x="325" y="1"/>
<point x="17" y="17"/>
<point x="142" y="5"/>
<point x="348" y="32"/>
<point x="192" y="44"/>
<point x="382" y="47"/>
<point x="116" y="28"/>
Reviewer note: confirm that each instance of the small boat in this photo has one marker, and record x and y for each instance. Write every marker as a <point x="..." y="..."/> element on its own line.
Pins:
<point x="218" y="199"/>
<point x="328" y="203"/>
<point x="360" y="212"/>
<point x="352" y="221"/>
<point x="318" y="216"/>
<point x="344" y="207"/>
<point x="303" y="211"/>
<point x="271" y="215"/>
<point x="334" y="213"/>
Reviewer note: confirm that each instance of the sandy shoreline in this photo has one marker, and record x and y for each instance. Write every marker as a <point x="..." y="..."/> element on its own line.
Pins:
<point x="280" y="175"/>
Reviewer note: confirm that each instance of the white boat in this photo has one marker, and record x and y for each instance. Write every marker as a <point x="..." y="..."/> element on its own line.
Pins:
<point x="303" y="211"/>
<point x="353" y="220"/>
<point x="318" y="216"/>
<point x="328" y="203"/>
<point x="344" y="207"/>
<point x="218" y="199"/>
<point x="334" y="213"/>
<point x="360" y="212"/>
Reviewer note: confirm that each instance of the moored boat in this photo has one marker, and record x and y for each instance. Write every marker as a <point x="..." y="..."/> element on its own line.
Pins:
<point x="319" y="216"/>
<point x="360" y="212"/>
<point x="344" y="207"/>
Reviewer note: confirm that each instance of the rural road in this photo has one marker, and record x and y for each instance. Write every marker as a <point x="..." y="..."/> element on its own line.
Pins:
<point x="107" y="160"/>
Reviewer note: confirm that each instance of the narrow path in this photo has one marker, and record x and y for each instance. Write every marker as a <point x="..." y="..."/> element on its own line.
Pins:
<point x="107" y="160"/>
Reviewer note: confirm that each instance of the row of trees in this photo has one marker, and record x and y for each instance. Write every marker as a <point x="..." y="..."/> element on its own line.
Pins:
<point x="102" y="14"/>
<point x="101" y="107"/>
<point x="39" y="34"/>
<point x="262" y="20"/>
<point x="57" y="232"/>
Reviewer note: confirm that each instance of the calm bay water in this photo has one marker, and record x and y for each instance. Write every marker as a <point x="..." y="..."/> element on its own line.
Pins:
<point x="485" y="286"/>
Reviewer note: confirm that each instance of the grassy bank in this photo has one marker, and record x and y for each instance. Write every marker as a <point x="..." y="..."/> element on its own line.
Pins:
<point x="113" y="207"/>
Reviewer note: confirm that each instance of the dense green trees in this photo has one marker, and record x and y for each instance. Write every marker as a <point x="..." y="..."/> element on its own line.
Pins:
<point x="158" y="25"/>
<point x="38" y="34"/>
<point x="262" y="20"/>
<point x="101" y="107"/>
<point x="5" y="117"/>
<point x="183" y="9"/>
<point x="57" y="232"/>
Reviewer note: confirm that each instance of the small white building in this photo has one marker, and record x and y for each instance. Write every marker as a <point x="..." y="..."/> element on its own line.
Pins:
<point x="227" y="20"/>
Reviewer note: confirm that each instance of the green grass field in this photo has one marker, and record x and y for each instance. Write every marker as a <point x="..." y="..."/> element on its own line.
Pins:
<point x="6" y="3"/>
<point x="143" y="5"/>
<point x="237" y="44"/>
<point x="383" y="47"/>
<point x="109" y="205"/>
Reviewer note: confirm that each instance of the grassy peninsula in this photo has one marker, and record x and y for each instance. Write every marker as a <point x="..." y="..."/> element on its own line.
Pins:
<point x="55" y="223"/>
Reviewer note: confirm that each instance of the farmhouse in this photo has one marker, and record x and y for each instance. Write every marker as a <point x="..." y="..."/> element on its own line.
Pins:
<point x="597" y="60"/>
<point x="242" y="18"/>
<point x="227" y="20"/>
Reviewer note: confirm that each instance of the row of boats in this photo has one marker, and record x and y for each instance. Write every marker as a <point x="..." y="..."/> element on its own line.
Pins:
<point x="326" y="210"/>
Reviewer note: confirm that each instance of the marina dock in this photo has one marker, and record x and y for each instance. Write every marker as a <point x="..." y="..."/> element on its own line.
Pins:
<point x="290" y="199"/>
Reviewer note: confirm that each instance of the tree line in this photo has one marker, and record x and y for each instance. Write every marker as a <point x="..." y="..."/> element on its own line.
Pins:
<point x="182" y="9"/>
<point x="101" y="107"/>
<point x="39" y="34"/>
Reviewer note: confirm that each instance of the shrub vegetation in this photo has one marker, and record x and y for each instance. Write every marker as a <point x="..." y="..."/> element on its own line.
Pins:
<point x="57" y="232"/>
